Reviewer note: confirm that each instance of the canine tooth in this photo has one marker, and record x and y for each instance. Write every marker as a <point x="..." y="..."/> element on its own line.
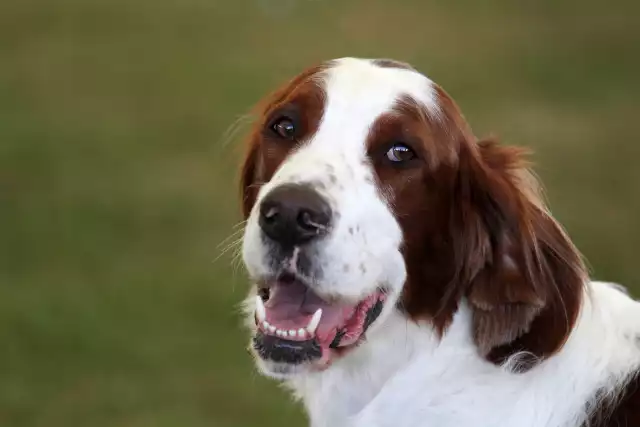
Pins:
<point x="292" y="333"/>
<point x="272" y="328"/>
<point x="314" y="322"/>
<point x="302" y="332"/>
<point x="265" y="324"/>
<point x="261" y="313"/>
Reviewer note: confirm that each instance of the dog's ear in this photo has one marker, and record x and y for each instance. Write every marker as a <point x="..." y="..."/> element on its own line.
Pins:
<point x="248" y="179"/>
<point x="523" y="275"/>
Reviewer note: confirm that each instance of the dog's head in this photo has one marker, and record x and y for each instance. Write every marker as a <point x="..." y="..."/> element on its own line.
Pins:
<point x="365" y="192"/>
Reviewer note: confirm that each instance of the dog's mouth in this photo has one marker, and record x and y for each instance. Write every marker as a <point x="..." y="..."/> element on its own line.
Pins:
<point x="295" y="325"/>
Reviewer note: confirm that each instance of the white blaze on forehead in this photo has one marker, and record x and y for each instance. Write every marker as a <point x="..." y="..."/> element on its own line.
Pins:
<point x="358" y="92"/>
<point x="354" y="78"/>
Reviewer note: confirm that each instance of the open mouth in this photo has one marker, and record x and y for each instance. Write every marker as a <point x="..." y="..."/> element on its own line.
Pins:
<point x="295" y="325"/>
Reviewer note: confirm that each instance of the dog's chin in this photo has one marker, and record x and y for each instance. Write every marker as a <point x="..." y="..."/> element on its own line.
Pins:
<point x="285" y="371"/>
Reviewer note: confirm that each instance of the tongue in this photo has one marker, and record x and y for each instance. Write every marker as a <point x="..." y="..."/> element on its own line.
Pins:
<point x="291" y="305"/>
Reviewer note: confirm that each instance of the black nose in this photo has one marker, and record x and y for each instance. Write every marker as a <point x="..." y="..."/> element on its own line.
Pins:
<point x="294" y="214"/>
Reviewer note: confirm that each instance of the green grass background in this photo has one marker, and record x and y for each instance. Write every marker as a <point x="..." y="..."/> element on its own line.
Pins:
<point x="116" y="187"/>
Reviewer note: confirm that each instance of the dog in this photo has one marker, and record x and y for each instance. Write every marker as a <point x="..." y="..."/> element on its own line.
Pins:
<point x="406" y="273"/>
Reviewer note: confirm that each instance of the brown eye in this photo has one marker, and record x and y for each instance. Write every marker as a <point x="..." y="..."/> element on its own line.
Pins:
<point x="284" y="128"/>
<point x="399" y="153"/>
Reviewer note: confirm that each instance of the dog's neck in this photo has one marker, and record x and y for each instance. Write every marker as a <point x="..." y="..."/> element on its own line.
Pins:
<point x="332" y="396"/>
<point x="403" y="360"/>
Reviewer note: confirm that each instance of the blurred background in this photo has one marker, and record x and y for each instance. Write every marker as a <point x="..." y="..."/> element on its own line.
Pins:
<point x="118" y="304"/>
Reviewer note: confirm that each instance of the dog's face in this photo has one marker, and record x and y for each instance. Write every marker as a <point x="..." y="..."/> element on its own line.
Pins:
<point x="322" y="238"/>
<point x="352" y="172"/>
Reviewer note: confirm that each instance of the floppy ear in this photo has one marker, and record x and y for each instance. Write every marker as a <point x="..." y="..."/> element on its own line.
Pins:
<point x="248" y="176"/>
<point x="524" y="276"/>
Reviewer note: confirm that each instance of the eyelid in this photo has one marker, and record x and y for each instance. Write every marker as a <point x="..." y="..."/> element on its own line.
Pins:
<point x="289" y="111"/>
<point x="382" y="149"/>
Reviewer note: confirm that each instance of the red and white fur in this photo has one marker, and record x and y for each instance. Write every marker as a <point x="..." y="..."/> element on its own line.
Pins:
<point x="489" y="318"/>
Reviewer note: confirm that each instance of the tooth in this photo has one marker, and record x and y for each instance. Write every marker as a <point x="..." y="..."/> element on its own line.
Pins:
<point x="292" y="333"/>
<point x="272" y="328"/>
<point x="280" y="333"/>
<point x="315" y="321"/>
<point x="265" y="324"/>
<point x="261" y="313"/>
<point x="302" y="332"/>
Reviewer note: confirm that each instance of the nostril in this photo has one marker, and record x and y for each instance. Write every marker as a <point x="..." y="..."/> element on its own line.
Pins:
<point x="311" y="221"/>
<point x="304" y="220"/>
<point x="270" y="214"/>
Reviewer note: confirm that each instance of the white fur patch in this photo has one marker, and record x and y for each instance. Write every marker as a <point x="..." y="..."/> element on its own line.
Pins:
<point x="404" y="377"/>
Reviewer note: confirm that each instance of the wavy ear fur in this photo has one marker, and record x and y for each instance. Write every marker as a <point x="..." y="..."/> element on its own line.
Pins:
<point x="524" y="275"/>
<point x="248" y="172"/>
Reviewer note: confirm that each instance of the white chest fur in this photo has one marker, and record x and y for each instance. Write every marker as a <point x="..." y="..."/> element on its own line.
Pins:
<point x="405" y="376"/>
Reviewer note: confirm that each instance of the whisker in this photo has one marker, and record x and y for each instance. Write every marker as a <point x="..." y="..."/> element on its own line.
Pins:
<point x="229" y="237"/>
<point x="236" y="261"/>
<point x="240" y="224"/>
<point x="229" y="247"/>
<point x="233" y="129"/>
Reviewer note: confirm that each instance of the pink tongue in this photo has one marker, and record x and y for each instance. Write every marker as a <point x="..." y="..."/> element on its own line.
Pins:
<point x="291" y="306"/>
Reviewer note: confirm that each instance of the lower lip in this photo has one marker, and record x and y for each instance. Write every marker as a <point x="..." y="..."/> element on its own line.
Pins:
<point x="281" y="350"/>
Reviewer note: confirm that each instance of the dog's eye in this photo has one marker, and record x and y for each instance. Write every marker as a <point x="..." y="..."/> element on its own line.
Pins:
<point x="284" y="128"/>
<point x="399" y="153"/>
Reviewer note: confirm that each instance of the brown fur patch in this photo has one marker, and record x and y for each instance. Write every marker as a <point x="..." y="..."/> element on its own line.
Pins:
<point x="623" y="410"/>
<point x="476" y="228"/>
<point x="301" y="97"/>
